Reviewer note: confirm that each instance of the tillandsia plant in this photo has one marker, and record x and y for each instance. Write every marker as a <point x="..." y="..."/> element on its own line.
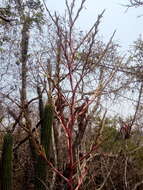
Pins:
<point x="6" y="162"/>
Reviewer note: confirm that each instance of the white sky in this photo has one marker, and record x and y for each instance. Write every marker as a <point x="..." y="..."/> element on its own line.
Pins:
<point x="127" y="23"/>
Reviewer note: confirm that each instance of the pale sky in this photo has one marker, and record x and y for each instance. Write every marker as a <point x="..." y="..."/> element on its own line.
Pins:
<point x="127" y="23"/>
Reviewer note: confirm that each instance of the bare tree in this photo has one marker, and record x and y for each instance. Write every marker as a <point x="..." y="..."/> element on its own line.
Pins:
<point x="135" y="3"/>
<point x="76" y="70"/>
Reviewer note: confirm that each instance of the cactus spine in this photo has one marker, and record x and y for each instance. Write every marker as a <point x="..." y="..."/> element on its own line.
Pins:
<point x="6" y="161"/>
<point x="46" y="135"/>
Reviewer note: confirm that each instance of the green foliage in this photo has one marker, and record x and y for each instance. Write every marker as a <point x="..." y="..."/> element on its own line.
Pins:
<point x="6" y="163"/>
<point x="110" y="135"/>
<point x="138" y="159"/>
<point x="114" y="141"/>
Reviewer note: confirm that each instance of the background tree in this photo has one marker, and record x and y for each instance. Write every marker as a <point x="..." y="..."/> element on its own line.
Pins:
<point x="135" y="3"/>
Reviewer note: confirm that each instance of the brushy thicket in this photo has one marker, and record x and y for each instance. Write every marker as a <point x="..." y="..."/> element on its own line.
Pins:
<point x="116" y="165"/>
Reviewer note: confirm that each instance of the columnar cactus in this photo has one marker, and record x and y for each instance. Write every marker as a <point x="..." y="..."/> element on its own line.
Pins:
<point x="6" y="163"/>
<point x="46" y="135"/>
<point x="46" y="128"/>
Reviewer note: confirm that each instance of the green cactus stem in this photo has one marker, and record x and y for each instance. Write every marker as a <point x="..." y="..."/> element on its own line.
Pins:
<point x="6" y="163"/>
<point x="46" y="136"/>
<point x="46" y="128"/>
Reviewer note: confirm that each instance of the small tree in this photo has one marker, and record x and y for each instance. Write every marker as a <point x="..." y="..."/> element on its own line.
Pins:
<point x="77" y="69"/>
